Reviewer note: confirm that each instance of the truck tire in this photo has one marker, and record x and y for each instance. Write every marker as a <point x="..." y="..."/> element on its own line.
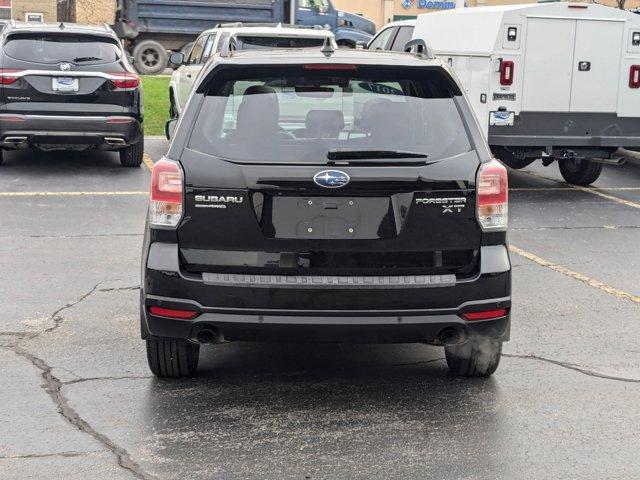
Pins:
<point x="132" y="155"/>
<point x="151" y="57"/>
<point x="477" y="357"/>
<point x="580" y="172"/>
<point x="172" y="358"/>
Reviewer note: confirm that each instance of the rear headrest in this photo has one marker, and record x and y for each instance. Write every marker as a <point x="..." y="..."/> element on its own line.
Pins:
<point x="325" y="121"/>
<point x="257" y="89"/>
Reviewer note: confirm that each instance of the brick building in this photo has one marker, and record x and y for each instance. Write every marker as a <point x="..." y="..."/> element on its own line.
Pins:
<point x="33" y="10"/>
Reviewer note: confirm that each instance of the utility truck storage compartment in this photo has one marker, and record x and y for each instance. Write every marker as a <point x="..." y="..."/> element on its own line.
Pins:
<point x="559" y="81"/>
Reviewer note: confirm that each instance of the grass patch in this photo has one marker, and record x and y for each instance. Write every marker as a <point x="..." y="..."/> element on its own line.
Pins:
<point x="156" y="103"/>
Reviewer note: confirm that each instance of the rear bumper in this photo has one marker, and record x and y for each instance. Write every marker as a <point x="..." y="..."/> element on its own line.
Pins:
<point x="358" y="312"/>
<point x="109" y="132"/>
<point x="568" y="129"/>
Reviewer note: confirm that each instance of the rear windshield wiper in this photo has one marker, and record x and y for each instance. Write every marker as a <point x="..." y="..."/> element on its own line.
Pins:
<point x="86" y="59"/>
<point x="360" y="153"/>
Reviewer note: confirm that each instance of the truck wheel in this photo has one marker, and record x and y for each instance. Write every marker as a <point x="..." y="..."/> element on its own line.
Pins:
<point x="580" y="172"/>
<point x="477" y="357"/>
<point x="172" y="358"/>
<point x="132" y="155"/>
<point x="151" y="57"/>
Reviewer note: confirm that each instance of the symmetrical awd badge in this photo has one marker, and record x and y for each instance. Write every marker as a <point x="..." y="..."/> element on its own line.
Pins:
<point x="331" y="179"/>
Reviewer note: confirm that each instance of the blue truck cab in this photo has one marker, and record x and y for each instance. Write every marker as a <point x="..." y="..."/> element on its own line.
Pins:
<point x="150" y="29"/>
<point x="347" y="27"/>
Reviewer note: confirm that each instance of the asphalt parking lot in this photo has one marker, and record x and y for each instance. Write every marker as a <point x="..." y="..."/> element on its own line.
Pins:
<point x="79" y="402"/>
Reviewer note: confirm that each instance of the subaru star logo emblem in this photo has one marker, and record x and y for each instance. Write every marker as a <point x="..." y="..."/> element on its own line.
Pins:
<point x="65" y="67"/>
<point x="331" y="178"/>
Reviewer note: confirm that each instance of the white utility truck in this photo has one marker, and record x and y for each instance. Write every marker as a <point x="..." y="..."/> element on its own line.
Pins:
<point x="557" y="81"/>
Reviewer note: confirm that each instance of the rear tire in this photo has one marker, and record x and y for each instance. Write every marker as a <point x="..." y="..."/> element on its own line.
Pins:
<point x="132" y="155"/>
<point x="477" y="357"/>
<point x="172" y="358"/>
<point x="151" y="57"/>
<point x="580" y="172"/>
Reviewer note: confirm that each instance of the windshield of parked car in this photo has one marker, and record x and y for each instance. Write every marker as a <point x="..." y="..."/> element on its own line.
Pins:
<point x="255" y="43"/>
<point x="305" y="115"/>
<point x="55" y="48"/>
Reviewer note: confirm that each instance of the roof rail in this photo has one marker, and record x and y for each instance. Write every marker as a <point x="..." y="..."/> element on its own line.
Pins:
<point x="419" y="48"/>
<point x="230" y="25"/>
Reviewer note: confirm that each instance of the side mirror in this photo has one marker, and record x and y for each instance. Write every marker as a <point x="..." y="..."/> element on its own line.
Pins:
<point x="170" y="127"/>
<point x="361" y="44"/>
<point x="176" y="58"/>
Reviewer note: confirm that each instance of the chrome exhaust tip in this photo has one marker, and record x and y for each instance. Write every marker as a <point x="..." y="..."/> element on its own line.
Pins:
<point x="452" y="336"/>
<point x="15" y="140"/>
<point x="114" y="141"/>
<point x="207" y="335"/>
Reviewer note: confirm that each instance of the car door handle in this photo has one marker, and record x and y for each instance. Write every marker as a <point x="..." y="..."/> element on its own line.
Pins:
<point x="188" y="75"/>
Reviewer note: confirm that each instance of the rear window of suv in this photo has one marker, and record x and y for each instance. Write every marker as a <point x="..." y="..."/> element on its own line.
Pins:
<point x="256" y="43"/>
<point x="302" y="115"/>
<point x="51" y="48"/>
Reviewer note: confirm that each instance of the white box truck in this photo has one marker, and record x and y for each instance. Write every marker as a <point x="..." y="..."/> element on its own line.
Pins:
<point x="557" y="81"/>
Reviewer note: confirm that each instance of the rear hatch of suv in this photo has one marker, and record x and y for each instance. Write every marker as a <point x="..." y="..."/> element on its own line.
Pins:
<point x="337" y="177"/>
<point x="66" y="73"/>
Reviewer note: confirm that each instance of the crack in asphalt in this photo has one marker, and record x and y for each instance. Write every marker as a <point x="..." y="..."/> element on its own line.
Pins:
<point x="54" y="389"/>
<point x="55" y="316"/>
<point x="573" y="367"/>
<point x="119" y="289"/>
<point x="45" y="455"/>
<point x="101" y="379"/>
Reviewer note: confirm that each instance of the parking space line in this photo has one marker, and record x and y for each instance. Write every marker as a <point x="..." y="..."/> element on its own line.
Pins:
<point x="147" y="161"/>
<point x="69" y="194"/>
<point x="592" y="282"/>
<point x="597" y="192"/>
<point x="592" y="190"/>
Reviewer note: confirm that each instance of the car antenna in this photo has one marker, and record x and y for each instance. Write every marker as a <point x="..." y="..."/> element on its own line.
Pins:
<point x="327" y="48"/>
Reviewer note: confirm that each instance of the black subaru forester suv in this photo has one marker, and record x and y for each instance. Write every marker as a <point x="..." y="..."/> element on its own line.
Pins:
<point x="312" y="195"/>
<point x="68" y="87"/>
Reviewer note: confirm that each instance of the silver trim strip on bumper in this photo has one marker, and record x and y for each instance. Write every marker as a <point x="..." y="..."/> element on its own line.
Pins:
<point x="328" y="281"/>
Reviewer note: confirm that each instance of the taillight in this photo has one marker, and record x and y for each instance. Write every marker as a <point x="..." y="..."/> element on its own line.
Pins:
<point x="485" y="315"/>
<point x="506" y="72"/>
<point x="126" y="80"/>
<point x="492" y="204"/>
<point x="173" y="313"/>
<point x="8" y="76"/>
<point x="165" y="209"/>
<point x="634" y="76"/>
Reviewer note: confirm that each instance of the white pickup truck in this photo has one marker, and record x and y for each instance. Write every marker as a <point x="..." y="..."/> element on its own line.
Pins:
<point x="211" y="41"/>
